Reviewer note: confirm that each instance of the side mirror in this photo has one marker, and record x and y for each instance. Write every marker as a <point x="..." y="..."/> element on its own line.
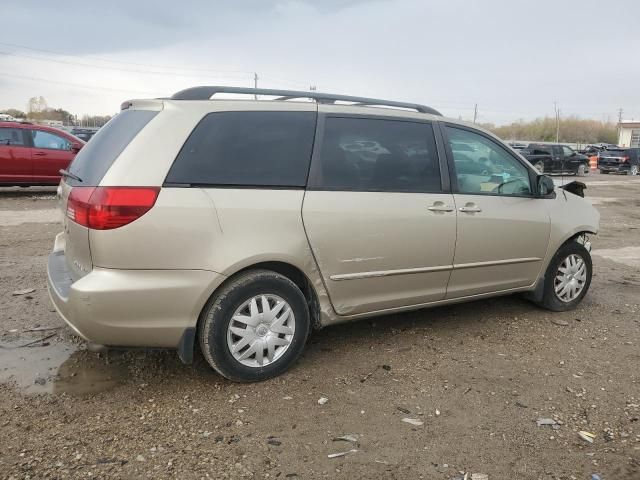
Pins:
<point x="75" y="147"/>
<point x="545" y="186"/>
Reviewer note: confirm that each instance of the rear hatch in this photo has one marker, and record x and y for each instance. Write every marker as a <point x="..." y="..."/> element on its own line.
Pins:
<point x="612" y="157"/>
<point x="85" y="173"/>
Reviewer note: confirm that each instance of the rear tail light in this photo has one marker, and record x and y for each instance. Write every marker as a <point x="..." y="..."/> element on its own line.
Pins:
<point x="106" y="208"/>
<point x="625" y="159"/>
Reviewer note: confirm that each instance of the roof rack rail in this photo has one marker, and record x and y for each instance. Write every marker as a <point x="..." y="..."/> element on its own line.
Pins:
<point x="205" y="93"/>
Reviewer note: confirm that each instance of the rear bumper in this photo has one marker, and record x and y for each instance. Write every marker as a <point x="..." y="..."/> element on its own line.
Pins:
<point x="130" y="308"/>
<point x="614" y="168"/>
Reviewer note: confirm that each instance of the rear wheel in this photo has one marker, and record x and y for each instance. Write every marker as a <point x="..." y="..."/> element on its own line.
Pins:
<point x="567" y="278"/>
<point x="604" y="172"/>
<point x="255" y="327"/>
<point x="582" y="170"/>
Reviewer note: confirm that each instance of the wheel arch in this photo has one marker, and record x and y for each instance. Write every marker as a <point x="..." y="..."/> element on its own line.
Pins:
<point x="536" y="294"/>
<point x="284" y="268"/>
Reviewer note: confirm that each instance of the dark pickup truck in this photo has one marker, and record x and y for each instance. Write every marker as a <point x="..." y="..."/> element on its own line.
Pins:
<point x="549" y="158"/>
<point x="619" y="160"/>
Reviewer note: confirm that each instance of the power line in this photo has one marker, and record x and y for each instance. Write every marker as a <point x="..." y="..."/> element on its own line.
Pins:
<point x="239" y="74"/>
<point x="76" y="85"/>
<point x="171" y="67"/>
<point x="106" y="67"/>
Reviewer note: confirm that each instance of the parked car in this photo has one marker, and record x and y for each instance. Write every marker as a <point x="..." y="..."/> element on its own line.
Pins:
<point x="238" y="226"/>
<point x="84" y="134"/>
<point x="34" y="154"/>
<point x="619" y="160"/>
<point x="548" y="158"/>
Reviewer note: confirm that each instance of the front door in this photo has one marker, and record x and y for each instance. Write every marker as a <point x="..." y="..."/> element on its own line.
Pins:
<point x="503" y="230"/>
<point x="51" y="153"/>
<point x="380" y="224"/>
<point x="15" y="156"/>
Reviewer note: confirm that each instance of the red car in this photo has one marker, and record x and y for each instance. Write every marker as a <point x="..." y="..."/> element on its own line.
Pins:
<point x="34" y="154"/>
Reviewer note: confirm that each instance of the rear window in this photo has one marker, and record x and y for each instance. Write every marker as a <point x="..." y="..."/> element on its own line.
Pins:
<point x="271" y="149"/>
<point x="97" y="156"/>
<point x="613" y="152"/>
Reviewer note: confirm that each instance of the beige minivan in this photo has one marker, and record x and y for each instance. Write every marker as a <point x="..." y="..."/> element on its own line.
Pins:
<point x="239" y="224"/>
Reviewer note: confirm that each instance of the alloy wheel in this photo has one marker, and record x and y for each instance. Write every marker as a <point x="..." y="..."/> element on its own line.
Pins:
<point x="570" y="278"/>
<point x="261" y="330"/>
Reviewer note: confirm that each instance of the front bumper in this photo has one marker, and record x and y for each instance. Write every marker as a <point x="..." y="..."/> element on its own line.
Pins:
<point x="130" y="308"/>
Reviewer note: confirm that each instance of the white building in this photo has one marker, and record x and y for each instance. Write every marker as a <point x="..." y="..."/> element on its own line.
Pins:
<point x="629" y="134"/>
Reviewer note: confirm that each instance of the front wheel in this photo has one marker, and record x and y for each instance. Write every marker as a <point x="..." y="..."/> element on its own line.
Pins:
<point x="633" y="170"/>
<point x="582" y="170"/>
<point x="255" y="327"/>
<point x="567" y="278"/>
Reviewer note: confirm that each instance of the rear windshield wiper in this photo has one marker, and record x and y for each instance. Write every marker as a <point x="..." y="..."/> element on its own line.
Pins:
<point x="66" y="173"/>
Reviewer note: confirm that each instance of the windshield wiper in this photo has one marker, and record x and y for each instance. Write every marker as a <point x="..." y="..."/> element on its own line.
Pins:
<point x="67" y="173"/>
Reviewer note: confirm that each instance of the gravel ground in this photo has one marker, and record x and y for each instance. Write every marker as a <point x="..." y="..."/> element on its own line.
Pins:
<point x="472" y="378"/>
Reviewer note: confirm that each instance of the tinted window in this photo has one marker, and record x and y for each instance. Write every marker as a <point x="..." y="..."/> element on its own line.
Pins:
<point x="568" y="152"/>
<point x="11" y="136"/>
<point x="247" y="149"/>
<point x="359" y="154"/>
<point x="540" y="151"/>
<point x="491" y="170"/>
<point x="42" y="139"/>
<point x="97" y="156"/>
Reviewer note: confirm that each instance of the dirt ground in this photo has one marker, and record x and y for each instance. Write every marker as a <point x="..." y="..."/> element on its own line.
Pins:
<point x="477" y="376"/>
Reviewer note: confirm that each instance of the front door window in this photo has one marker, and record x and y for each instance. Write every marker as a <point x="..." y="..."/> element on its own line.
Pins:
<point x="483" y="167"/>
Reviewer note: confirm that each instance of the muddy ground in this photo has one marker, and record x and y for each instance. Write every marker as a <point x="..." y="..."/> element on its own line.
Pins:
<point x="477" y="376"/>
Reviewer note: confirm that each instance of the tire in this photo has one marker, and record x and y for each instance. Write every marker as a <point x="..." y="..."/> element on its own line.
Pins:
<point x="216" y="326"/>
<point x="582" y="170"/>
<point x="552" y="300"/>
<point x="540" y="167"/>
<point x="604" y="172"/>
<point x="633" y="170"/>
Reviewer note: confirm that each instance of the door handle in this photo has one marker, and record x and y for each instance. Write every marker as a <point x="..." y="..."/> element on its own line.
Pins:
<point x="440" y="207"/>
<point x="39" y="154"/>
<point x="470" y="208"/>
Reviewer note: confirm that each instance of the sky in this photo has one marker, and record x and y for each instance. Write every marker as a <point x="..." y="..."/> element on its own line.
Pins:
<point x="512" y="58"/>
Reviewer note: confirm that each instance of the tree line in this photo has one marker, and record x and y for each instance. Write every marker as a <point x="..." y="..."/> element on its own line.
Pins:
<point x="572" y="130"/>
<point x="39" y="110"/>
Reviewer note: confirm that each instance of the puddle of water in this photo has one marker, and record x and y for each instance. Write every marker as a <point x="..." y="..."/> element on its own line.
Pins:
<point x="57" y="368"/>
<point x="626" y="255"/>
<point x="10" y="218"/>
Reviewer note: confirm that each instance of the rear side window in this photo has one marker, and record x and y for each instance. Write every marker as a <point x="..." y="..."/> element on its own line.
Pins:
<point x="271" y="149"/>
<point x="372" y="155"/>
<point x="11" y="136"/>
<point x="97" y="156"/>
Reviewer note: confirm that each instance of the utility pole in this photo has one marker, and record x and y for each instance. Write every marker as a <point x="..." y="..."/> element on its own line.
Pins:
<point x="475" y="113"/>
<point x="255" y="84"/>
<point x="619" y="123"/>
<point x="555" y="107"/>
